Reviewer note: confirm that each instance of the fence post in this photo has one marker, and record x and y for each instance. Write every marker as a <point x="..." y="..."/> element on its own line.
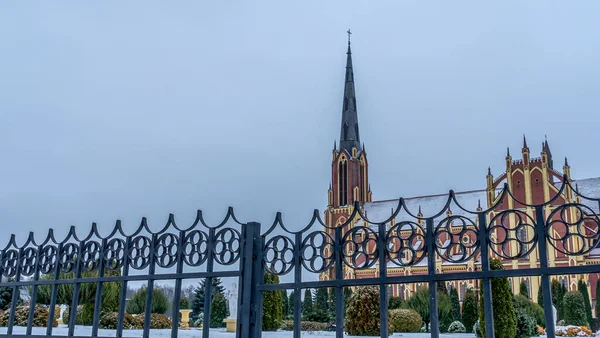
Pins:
<point x="485" y="267"/>
<point x="434" y="326"/>
<point x="247" y="298"/>
<point x="383" y="296"/>
<point x="540" y="231"/>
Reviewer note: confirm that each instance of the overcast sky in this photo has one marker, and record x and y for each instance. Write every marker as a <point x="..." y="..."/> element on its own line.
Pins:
<point x="117" y="110"/>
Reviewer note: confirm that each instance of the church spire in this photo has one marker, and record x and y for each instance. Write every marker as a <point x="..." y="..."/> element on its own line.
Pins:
<point x="349" y="135"/>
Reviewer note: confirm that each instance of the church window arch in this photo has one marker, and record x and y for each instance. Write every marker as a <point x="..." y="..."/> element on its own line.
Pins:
<point x="343" y="181"/>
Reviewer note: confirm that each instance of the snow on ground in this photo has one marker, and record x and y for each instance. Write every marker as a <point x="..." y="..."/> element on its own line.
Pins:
<point x="214" y="333"/>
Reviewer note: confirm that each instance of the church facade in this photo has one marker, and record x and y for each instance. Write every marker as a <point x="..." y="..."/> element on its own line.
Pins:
<point x="531" y="179"/>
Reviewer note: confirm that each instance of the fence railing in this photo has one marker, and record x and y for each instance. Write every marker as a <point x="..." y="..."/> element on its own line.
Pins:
<point x="243" y="251"/>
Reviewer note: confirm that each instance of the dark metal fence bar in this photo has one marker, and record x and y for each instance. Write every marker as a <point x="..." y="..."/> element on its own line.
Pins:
<point x="383" y="296"/>
<point x="54" y="291"/>
<point x="150" y="288"/>
<point x="77" y="285"/>
<point x="339" y="291"/>
<point x="297" y="280"/>
<point x="34" y="291"/>
<point x="433" y="305"/>
<point x="15" y="290"/>
<point x="208" y="283"/>
<point x="99" y="285"/>
<point x="177" y="296"/>
<point x="123" y="294"/>
<point x="540" y="229"/>
<point x="258" y="278"/>
<point x="485" y="268"/>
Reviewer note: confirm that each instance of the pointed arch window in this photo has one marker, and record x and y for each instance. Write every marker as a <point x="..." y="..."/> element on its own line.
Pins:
<point x="343" y="181"/>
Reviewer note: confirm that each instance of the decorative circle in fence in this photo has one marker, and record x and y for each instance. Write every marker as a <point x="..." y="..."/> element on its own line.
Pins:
<point x="512" y="234"/>
<point x="139" y="252"/>
<point x="456" y="239"/>
<point x="405" y="243"/>
<point x="195" y="248"/>
<point x="278" y="255"/>
<point x="573" y="229"/>
<point x="317" y="252"/>
<point x="227" y="246"/>
<point x="359" y="247"/>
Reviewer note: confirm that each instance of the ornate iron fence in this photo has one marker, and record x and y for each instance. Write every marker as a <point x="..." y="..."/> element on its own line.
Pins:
<point x="511" y="231"/>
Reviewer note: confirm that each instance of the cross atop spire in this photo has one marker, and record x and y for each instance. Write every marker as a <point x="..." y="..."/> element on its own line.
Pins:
<point x="524" y="142"/>
<point x="349" y="33"/>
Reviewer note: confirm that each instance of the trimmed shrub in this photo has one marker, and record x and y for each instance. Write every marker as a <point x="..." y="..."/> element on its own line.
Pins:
<point x="272" y="313"/>
<point x="157" y="321"/>
<point x="526" y="325"/>
<point x="582" y="287"/>
<point x="532" y="309"/>
<point x="109" y="320"/>
<point x="184" y="303"/>
<point x="5" y="297"/>
<point x="405" y="320"/>
<point x="395" y="303"/>
<point x="457" y="327"/>
<point x="40" y="316"/>
<point x="505" y="319"/>
<point x="83" y="316"/>
<point x="469" y="310"/>
<point x="288" y="325"/>
<point x="455" y="304"/>
<point x="137" y="304"/>
<point x="362" y="314"/>
<point x="574" y="309"/>
<point x="218" y="310"/>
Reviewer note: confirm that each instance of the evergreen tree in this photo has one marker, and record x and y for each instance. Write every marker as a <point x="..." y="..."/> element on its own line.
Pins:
<point x="218" y="310"/>
<point x="419" y="302"/>
<point x="137" y="303"/>
<point x="441" y="287"/>
<point x="540" y="298"/>
<point x="272" y="305"/>
<point x="598" y="298"/>
<point x="286" y="306"/>
<point x="347" y="294"/>
<point x="455" y="303"/>
<point x="523" y="290"/>
<point x="469" y="310"/>
<point x="321" y="299"/>
<point x="198" y="300"/>
<point x="573" y="304"/>
<point x="558" y="292"/>
<point x="291" y="302"/>
<point x="307" y="304"/>
<point x="505" y="318"/>
<point x="583" y="289"/>
<point x="331" y="302"/>
<point x="5" y="297"/>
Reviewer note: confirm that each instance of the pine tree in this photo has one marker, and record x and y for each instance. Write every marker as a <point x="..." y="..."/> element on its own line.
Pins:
<point x="455" y="303"/>
<point x="137" y="303"/>
<point x="272" y="314"/>
<point x="523" y="290"/>
<point x="307" y="304"/>
<point x="505" y="318"/>
<point x="286" y="306"/>
<point x="558" y="292"/>
<point x="540" y="298"/>
<point x="469" y="310"/>
<point x="582" y="287"/>
<point x="291" y="302"/>
<point x="198" y="300"/>
<point x="218" y="310"/>
<point x="321" y="299"/>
